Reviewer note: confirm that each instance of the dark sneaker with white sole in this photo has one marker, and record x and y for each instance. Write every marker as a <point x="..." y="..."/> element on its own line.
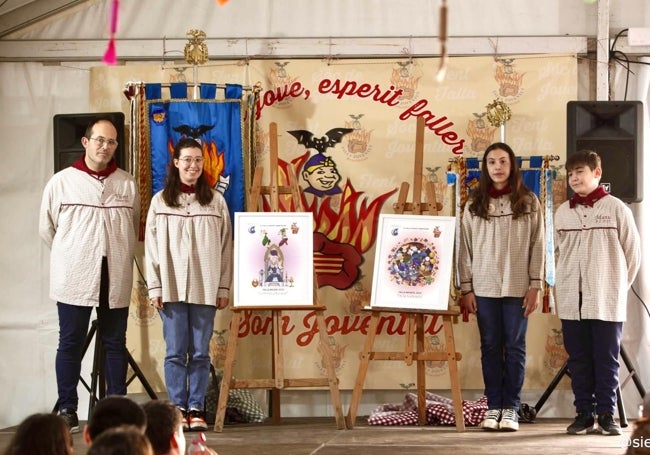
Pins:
<point x="608" y="426"/>
<point x="583" y="424"/>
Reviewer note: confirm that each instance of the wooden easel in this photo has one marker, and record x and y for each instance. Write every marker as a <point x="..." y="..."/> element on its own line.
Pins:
<point x="415" y="322"/>
<point x="278" y="381"/>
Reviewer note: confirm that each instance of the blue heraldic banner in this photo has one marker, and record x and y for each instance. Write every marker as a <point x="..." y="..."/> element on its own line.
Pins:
<point x="216" y="124"/>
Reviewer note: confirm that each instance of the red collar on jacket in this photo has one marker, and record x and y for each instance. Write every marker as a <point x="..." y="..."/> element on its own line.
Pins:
<point x="494" y="193"/>
<point x="81" y="165"/>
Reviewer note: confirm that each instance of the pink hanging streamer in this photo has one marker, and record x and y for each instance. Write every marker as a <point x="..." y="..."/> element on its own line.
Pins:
<point x="110" y="56"/>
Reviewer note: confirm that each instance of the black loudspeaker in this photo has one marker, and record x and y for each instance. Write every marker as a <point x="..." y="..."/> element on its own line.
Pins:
<point x="614" y="130"/>
<point x="70" y="128"/>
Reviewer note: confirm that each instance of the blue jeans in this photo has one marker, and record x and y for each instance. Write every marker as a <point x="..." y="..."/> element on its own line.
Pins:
<point x="593" y="347"/>
<point x="502" y="327"/>
<point x="187" y="329"/>
<point x="73" y="330"/>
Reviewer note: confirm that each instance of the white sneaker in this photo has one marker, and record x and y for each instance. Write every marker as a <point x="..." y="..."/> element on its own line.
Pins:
<point x="491" y="419"/>
<point x="509" y="420"/>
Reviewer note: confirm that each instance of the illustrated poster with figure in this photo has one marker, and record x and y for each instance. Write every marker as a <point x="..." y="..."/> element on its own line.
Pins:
<point x="273" y="259"/>
<point x="413" y="262"/>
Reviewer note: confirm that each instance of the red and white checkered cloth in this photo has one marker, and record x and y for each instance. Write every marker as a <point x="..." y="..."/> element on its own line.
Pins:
<point x="440" y="411"/>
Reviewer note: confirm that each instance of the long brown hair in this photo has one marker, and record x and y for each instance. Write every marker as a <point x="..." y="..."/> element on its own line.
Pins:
<point x="520" y="195"/>
<point x="44" y="434"/>
<point x="173" y="181"/>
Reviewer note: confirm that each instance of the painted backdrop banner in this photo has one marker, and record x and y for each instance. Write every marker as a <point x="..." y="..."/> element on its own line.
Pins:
<point x="346" y="131"/>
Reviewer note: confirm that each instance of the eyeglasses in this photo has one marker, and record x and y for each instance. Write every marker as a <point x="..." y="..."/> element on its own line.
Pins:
<point x="102" y="140"/>
<point x="189" y="160"/>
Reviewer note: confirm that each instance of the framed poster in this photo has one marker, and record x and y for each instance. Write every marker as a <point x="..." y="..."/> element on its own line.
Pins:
<point x="274" y="259"/>
<point x="413" y="262"/>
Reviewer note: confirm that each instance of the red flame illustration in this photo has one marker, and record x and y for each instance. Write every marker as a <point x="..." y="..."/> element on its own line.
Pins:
<point x="340" y="236"/>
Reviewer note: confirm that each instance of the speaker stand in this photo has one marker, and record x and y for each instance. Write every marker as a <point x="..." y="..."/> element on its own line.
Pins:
<point x="619" y="398"/>
<point x="97" y="386"/>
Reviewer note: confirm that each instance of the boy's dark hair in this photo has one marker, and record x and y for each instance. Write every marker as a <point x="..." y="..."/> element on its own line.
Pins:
<point x="173" y="182"/>
<point x="114" y="411"/>
<point x="583" y="158"/>
<point x="163" y="419"/>
<point x="520" y="196"/>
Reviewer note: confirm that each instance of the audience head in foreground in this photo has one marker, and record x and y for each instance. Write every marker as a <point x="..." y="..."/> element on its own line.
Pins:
<point x="43" y="434"/>
<point x="124" y="440"/>
<point x="165" y="427"/>
<point x="111" y="412"/>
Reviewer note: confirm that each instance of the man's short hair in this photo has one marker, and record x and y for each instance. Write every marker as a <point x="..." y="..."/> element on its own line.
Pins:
<point x="114" y="411"/>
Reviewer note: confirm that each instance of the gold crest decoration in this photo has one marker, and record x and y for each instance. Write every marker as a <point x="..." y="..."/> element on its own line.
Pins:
<point x="196" y="51"/>
<point x="498" y="113"/>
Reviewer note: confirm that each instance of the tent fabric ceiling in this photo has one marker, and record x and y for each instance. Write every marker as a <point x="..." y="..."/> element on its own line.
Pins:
<point x="150" y="24"/>
<point x="283" y="18"/>
<point x="144" y="19"/>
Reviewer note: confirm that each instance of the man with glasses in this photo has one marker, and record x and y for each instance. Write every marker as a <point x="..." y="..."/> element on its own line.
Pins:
<point x="89" y="217"/>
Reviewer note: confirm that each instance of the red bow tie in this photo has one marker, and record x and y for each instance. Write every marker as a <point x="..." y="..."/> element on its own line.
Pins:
<point x="589" y="199"/>
<point x="189" y="189"/>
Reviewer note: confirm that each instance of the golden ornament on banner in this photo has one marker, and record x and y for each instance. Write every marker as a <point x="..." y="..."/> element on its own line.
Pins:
<point x="498" y="113"/>
<point x="196" y="51"/>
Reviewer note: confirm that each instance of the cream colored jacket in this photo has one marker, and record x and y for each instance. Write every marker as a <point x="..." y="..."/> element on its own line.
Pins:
<point x="188" y="250"/>
<point x="502" y="256"/>
<point x="599" y="254"/>
<point x="83" y="219"/>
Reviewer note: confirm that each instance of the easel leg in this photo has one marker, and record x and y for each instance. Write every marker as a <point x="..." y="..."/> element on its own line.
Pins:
<point x="421" y="377"/>
<point x="363" y="369"/>
<point x="227" y="372"/>
<point x="452" y="361"/>
<point x="331" y="372"/>
<point x="278" y="368"/>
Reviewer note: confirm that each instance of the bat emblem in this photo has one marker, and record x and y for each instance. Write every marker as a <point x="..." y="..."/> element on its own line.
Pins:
<point x="320" y="144"/>
<point x="191" y="131"/>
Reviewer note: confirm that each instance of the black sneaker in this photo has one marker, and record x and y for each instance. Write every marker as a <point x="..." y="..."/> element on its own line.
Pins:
<point x="583" y="424"/>
<point x="607" y="425"/>
<point x="71" y="419"/>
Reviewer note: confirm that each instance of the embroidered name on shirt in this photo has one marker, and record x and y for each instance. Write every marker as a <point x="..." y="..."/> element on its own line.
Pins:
<point x="603" y="218"/>
<point x="207" y="208"/>
<point x="121" y="197"/>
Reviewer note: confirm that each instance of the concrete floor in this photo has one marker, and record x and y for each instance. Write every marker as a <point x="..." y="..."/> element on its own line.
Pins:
<point x="319" y="436"/>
